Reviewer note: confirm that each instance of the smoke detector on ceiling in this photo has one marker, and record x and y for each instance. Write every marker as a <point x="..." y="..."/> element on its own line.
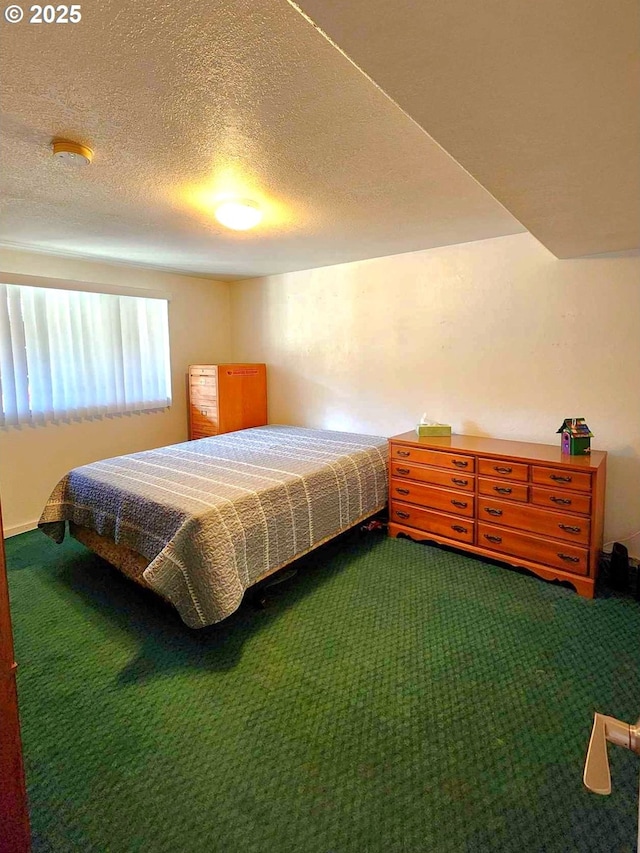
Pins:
<point x="71" y="152"/>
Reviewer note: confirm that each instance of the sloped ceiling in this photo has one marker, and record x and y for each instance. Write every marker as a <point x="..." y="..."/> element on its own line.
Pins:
<point x="471" y="120"/>
<point x="538" y="99"/>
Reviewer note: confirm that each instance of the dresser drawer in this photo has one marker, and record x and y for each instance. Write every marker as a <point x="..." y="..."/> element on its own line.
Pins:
<point x="568" y="557"/>
<point x="204" y="410"/>
<point x="203" y="382"/>
<point x="433" y="497"/>
<point x="205" y="397"/>
<point x="501" y="489"/>
<point x="503" y="469"/>
<point x="561" y="478"/>
<point x="526" y="517"/>
<point x="436" y="476"/>
<point x="204" y="421"/>
<point x="203" y="370"/>
<point x="554" y="499"/>
<point x="430" y="521"/>
<point x="406" y="453"/>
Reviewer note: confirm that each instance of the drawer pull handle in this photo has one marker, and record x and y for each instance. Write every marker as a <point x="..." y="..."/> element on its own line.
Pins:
<point x="401" y="514"/>
<point x="502" y="469"/>
<point x="459" y="482"/>
<point x="458" y="528"/>
<point x="402" y="491"/>
<point x="404" y="471"/>
<point x="461" y="463"/>
<point x="563" y="501"/>
<point x="492" y="511"/>
<point x="502" y="490"/>
<point x="560" y="479"/>
<point x="570" y="528"/>
<point x="491" y="538"/>
<point x="569" y="558"/>
<point x="403" y="452"/>
<point x="203" y="412"/>
<point x="461" y="504"/>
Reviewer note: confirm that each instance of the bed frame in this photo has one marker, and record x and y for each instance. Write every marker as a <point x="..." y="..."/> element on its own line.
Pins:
<point x="132" y="564"/>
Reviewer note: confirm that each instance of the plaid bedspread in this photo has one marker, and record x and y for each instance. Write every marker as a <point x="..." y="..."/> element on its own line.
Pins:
<point x="214" y="515"/>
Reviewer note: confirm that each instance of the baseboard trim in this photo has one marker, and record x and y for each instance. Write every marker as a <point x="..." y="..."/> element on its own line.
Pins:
<point x="19" y="528"/>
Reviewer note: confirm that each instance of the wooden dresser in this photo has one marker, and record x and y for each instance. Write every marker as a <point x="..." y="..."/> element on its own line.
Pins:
<point x="524" y="504"/>
<point x="226" y="397"/>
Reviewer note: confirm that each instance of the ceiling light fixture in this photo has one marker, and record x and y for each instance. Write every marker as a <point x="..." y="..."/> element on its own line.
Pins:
<point x="238" y="215"/>
<point x="71" y="152"/>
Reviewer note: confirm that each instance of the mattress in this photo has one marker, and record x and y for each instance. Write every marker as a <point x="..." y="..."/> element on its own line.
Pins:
<point x="213" y="516"/>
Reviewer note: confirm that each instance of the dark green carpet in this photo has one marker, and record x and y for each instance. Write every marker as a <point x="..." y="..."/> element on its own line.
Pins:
<point x="391" y="697"/>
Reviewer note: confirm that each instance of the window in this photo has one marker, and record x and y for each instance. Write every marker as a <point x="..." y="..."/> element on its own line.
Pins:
<point x="71" y="354"/>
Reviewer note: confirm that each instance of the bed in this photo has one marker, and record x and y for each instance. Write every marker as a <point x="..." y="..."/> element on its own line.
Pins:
<point x="201" y="522"/>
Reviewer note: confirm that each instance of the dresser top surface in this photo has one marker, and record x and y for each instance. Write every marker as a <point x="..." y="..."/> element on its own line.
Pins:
<point x="222" y="366"/>
<point x="496" y="447"/>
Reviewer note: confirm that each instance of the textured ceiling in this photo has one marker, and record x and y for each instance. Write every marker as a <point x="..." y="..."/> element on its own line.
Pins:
<point x="185" y="102"/>
<point x="538" y="99"/>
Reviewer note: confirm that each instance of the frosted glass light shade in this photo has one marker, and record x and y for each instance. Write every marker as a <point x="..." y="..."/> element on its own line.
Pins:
<point x="238" y="215"/>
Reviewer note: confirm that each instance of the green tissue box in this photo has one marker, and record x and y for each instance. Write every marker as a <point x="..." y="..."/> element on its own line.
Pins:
<point x="433" y="429"/>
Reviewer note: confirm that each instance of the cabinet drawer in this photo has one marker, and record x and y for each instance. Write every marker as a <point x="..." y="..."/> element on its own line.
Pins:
<point x="407" y="453"/>
<point x="204" y="410"/>
<point x="561" y="478"/>
<point x="203" y="370"/>
<point x="432" y="522"/>
<point x="432" y="497"/>
<point x="568" y="557"/>
<point x="202" y="382"/>
<point x="436" y="476"/>
<point x="206" y="397"/>
<point x="505" y="490"/>
<point x="526" y="517"/>
<point x="553" y="499"/>
<point x="503" y="469"/>
<point x="204" y="421"/>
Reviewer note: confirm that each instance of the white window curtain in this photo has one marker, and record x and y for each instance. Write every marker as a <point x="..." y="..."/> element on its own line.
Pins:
<point x="70" y="354"/>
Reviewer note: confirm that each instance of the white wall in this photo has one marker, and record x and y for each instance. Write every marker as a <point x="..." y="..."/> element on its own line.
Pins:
<point x="32" y="459"/>
<point x="497" y="338"/>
